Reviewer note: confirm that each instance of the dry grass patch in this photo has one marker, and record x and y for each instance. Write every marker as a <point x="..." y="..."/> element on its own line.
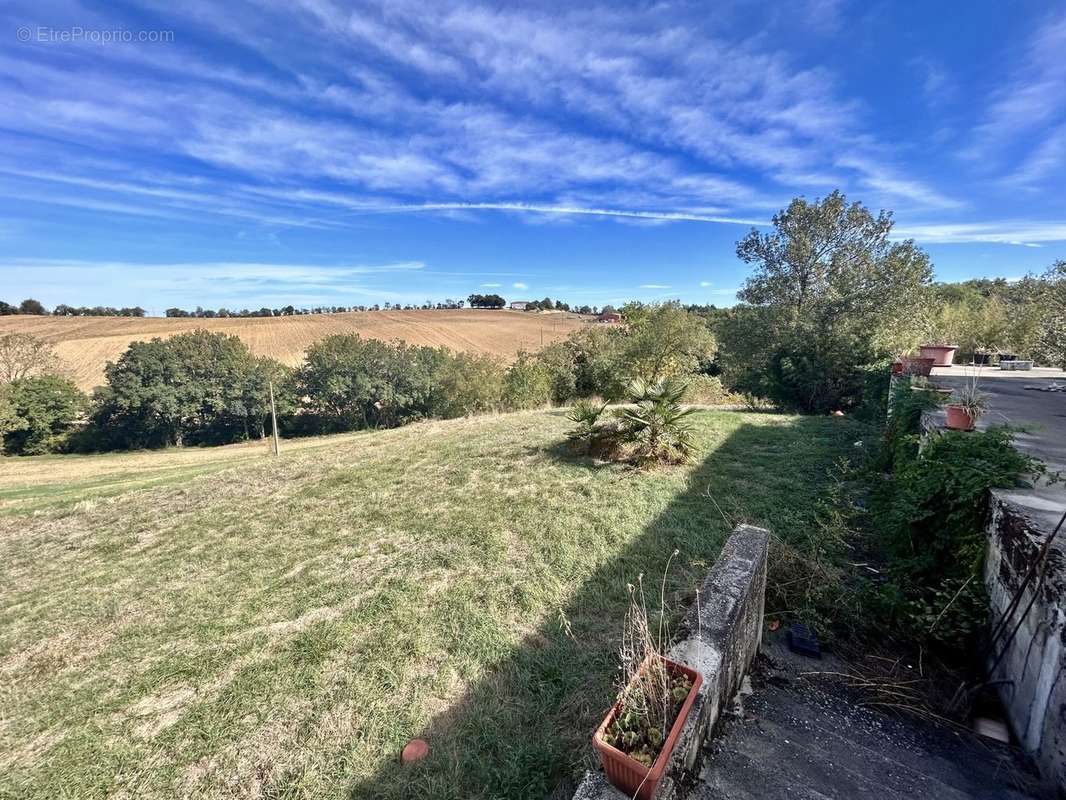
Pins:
<point x="224" y="624"/>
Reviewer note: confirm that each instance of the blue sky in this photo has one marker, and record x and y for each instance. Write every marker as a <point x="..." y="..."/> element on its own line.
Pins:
<point x="310" y="151"/>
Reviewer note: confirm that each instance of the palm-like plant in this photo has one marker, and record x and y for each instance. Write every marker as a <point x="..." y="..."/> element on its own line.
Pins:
<point x="585" y="414"/>
<point x="658" y="422"/>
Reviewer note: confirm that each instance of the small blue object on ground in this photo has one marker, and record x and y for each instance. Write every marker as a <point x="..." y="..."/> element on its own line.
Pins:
<point x="803" y="641"/>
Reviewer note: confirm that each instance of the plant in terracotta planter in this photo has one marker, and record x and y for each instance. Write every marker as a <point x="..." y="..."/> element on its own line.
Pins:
<point x="638" y="734"/>
<point x="966" y="407"/>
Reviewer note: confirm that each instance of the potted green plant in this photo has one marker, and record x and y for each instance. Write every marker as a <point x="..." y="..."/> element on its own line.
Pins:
<point x="639" y="733"/>
<point x="966" y="407"/>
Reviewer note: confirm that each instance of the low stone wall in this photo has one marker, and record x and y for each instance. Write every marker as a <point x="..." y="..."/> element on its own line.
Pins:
<point x="719" y="637"/>
<point x="1031" y="671"/>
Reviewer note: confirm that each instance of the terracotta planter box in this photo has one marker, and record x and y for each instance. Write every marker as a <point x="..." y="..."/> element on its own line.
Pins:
<point x="632" y="777"/>
<point x="942" y="354"/>
<point x="959" y="420"/>
<point x="913" y="365"/>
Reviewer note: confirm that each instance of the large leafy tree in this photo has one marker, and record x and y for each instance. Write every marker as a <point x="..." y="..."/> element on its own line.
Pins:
<point x="38" y="413"/>
<point x="195" y="388"/>
<point x="834" y="291"/>
<point x="31" y="306"/>
<point x="350" y="382"/>
<point x="831" y="262"/>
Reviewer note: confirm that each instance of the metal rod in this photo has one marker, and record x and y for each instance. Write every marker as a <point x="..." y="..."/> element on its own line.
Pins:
<point x="274" y="421"/>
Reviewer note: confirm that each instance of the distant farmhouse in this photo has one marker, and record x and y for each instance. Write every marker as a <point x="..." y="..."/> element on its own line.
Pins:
<point x="609" y="317"/>
<point x="519" y="305"/>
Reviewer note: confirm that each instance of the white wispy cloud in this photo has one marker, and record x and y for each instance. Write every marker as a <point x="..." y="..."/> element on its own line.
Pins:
<point x="1031" y="95"/>
<point x="661" y="128"/>
<point x="1013" y="232"/>
<point x="654" y="286"/>
<point x="519" y="285"/>
<point x="705" y="284"/>
<point x="491" y="285"/>
<point x="462" y="107"/>
<point x="540" y="208"/>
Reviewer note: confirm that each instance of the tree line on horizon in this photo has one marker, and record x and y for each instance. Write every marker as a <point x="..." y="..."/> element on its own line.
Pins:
<point x="34" y="307"/>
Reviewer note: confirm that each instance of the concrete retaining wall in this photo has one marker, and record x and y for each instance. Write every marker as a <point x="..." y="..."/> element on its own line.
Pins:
<point x="719" y="637"/>
<point x="1033" y="689"/>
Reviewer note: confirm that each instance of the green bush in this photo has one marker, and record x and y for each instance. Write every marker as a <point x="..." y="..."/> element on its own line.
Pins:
<point x="876" y="379"/>
<point x="707" y="390"/>
<point x="351" y="383"/>
<point x="933" y="508"/>
<point x="528" y="383"/>
<point x="468" y="384"/>
<point x="903" y="428"/>
<point x="662" y="341"/>
<point x="818" y="374"/>
<point x="949" y="614"/>
<point x="38" y="414"/>
<point x="598" y="357"/>
<point x="653" y="429"/>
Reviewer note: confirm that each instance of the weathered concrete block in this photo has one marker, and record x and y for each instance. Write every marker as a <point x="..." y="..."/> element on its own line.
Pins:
<point x="1031" y="670"/>
<point x="719" y="637"/>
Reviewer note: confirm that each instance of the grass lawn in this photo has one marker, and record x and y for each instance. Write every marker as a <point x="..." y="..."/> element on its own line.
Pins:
<point x="216" y="623"/>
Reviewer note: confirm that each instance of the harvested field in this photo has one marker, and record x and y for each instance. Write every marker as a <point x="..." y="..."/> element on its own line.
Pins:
<point x="86" y="344"/>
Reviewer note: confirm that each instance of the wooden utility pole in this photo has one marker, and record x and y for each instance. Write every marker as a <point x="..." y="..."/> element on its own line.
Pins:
<point x="274" y="421"/>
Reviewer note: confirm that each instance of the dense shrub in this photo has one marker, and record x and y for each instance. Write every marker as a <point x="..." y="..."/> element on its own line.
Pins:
<point x="933" y="507"/>
<point x="657" y="342"/>
<point x="876" y="381"/>
<point x="348" y="382"/>
<point x="528" y="383"/>
<point x="599" y="365"/>
<point x="468" y="384"/>
<point x="37" y="414"/>
<point x="818" y="374"/>
<point x="663" y="341"/>
<point x="707" y="390"/>
<point x="903" y="427"/>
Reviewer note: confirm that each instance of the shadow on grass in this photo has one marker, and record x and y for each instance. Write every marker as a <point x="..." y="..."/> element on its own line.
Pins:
<point x="523" y="730"/>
